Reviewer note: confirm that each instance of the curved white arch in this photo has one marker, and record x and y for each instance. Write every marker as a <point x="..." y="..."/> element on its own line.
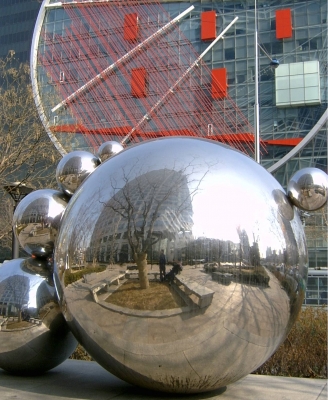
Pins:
<point x="302" y="144"/>
<point x="34" y="80"/>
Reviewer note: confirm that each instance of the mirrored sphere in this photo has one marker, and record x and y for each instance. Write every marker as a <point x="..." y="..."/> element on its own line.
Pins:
<point x="73" y="168"/>
<point x="36" y="221"/>
<point x="34" y="336"/>
<point x="180" y="265"/>
<point x="108" y="150"/>
<point x="308" y="189"/>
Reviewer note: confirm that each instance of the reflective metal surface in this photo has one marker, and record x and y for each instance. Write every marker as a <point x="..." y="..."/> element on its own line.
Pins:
<point x="218" y="216"/>
<point x="34" y="336"/>
<point x="73" y="168"/>
<point x="308" y="189"/>
<point x="36" y="221"/>
<point x="108" y="150"/>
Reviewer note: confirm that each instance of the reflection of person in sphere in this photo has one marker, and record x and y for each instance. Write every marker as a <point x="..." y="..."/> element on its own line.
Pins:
<point x="162" y="264"/>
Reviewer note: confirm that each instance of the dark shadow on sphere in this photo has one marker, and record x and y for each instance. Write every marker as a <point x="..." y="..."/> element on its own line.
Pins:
<point x="138" y="392"/>
<point x="24" y="374"/>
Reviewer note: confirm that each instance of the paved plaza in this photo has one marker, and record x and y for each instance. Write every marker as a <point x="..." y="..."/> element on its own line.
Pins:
<point x="86" y="380"/>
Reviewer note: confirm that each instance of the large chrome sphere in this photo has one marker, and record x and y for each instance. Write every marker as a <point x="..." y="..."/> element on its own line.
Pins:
<point x="73" y="168"/>
<point x="308" y="189"/>
<point x="108" y="150"/>
<point x="34" y="336"/>
<point x="234" y="278"/>
<point x="36" y="221"/>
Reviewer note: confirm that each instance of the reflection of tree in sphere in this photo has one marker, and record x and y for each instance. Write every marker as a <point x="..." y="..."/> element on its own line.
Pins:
<point x="211" y="209"/>
<point x="157" y="191"/>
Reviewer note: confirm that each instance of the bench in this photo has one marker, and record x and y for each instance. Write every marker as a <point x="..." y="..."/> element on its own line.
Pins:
<point x="203" y="294"/>
<point x="221" y="277"/>
<point x="35" y="321"/>
<point x="105" y="283"/>
<point x="131" y="267"/>
<point x="135" y="274"/>
<point x="3" y="322"/>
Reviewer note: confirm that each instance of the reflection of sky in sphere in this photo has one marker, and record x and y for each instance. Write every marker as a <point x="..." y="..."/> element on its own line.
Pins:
<point x="87" y="164"/>
<point x="55" y="209"/>
<point x="219" y="213"/>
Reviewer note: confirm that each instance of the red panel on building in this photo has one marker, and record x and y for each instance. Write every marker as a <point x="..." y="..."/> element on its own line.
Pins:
<point x="284" y="142"/>
<point x="208" y="25"/>
<point x="219" y="83"/>
<point x="283" y="24"/>
<point x="131" y="26"/>
<point x="139" y="82"/>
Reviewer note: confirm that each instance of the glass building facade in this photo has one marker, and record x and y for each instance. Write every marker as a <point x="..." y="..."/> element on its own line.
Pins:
<point x="17" y="21"/>
<point x="317" y="288"/>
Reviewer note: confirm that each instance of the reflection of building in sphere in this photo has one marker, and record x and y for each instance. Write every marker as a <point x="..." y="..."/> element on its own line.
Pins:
<point x="244" y="245"/>
<point x="148" y="212"/>
<point x="36" y="212"/>
<point x="14" y="292"/>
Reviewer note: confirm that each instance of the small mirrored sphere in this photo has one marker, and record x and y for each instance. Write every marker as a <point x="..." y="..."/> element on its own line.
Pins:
<point x="36" y="221"/>
<point x="34" y="336"/>
<point x="73" y="168"/>
<point x="308" y="189"/>
<point x="180" y="265"/>
<point x="275" y="63"/>
<point x="108" y="150"/>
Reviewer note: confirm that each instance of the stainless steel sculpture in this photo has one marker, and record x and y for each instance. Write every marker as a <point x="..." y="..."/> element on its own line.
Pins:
<point x="108" y="150"/>
<point x="73" y="168"/>
<point x="34" y="336"/>
<point x="308" y="189"/>
<point x="36" y="221"/>
<point x="220" y="216"/>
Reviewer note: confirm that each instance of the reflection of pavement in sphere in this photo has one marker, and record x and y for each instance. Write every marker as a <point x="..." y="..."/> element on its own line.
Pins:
<point x="216" y="211"/>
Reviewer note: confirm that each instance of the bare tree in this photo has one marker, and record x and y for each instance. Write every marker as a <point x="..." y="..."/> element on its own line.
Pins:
<point x="151" y="207"/>
<point x="26" y="153"/>
<point x="315" y="225"/>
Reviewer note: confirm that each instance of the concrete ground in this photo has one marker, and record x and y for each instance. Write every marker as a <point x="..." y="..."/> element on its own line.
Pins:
<point x="86" y="380"/>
